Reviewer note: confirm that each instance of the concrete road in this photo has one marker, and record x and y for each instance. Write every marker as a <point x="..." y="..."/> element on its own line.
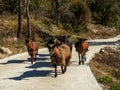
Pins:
<point x="17" y="72"/>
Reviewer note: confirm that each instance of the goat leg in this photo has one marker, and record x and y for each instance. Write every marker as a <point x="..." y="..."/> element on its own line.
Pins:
<point x="55" y="70"/>
<point x="68" y="61"/>
<point x="65" y="68"/>
<point x="32" y="60"/>
<point x="62" y="69"/>
<point x="79" y="58"/>
<point x="85" y="57"/>
<point x="82" y="58"/>
<point x="35" y="56"/>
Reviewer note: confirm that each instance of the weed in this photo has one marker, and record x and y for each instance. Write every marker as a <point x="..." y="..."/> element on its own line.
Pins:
<point x="106" y="79"/>
<point x="115" y="87"/>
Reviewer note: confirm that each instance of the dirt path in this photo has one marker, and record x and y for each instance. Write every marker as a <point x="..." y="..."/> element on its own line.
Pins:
<point x="17" y="73"/>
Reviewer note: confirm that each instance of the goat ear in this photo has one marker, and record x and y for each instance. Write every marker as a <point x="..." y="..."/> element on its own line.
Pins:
<point x="78" y="38"/>
<point x="68" y="36"/>
<point x="26" y="41"/>
<point x="85" y="39"/>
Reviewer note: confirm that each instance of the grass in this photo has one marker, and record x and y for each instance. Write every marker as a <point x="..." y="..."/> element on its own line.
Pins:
<point x="106" y="68"/>
<point x="42" y="30"/>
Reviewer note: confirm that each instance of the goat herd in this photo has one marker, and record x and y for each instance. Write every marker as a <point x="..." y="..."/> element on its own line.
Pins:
<point x="60" y="51"/>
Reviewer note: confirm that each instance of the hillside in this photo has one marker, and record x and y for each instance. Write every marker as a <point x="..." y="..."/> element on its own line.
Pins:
<point x="106" y="67"/>
<point x="42" y="30"/>
<point x="89" y="19"/>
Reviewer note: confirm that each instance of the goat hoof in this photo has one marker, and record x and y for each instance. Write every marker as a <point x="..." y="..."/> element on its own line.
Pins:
<point x="82" y="62"/>
<point x="63" y="72"/>
<point x="55" y="75"/>
<point x="79" y="62"/>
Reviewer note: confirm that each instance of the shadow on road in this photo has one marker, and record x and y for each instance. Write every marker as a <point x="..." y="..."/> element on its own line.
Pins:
<point x="32" y="73"/>
<point x="43" y="55"/>
<point x="13" y="61"/>
<point x="42" y="61"/>
<point x="40" y="64"/>
<point x="94" y="43"/>
<point x="40" y="57"/>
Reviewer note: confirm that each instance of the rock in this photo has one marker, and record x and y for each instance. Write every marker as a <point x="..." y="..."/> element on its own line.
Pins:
<point x="102" y="50"/>
<point x="5" y="50"/>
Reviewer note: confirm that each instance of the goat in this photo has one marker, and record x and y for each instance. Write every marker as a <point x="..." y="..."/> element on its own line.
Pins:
<point x="64" y="39"/>
<point x="82" y="47"/>
<point x="32" y="48"/>
<point x="50" y="43"/>
<point x="61" y="55"/>
<point x="58" y="40"/>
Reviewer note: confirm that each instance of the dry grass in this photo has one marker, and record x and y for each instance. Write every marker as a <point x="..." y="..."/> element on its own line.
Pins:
<point x="41" y="29"/>
<point x="107" y="63"/>
<point x="99" y="31"/>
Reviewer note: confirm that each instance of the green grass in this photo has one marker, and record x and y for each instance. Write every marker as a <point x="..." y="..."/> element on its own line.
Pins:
<point x="106" y="80"/>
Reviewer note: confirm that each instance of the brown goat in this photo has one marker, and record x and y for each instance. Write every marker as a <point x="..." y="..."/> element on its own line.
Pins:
<point x="61" y="55"/>
<point x="50" y="43"/>
<point x="32" y="48"/>
<point x="64" y="39"/>
<point x="82" y="47"/>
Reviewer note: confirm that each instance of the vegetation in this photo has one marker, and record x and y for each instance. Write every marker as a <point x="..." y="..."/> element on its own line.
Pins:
<point x="105" y="12"/>
<point x="56" y="17"/>
<point x="74" y="12"/>
<point x="106" y="68"/>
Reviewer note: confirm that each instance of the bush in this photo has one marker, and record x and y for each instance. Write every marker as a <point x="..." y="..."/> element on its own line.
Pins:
<point x="106" y="12"/>
<point x="81" y="28"/>
<point x="115" y="87"/>
<point x="106" y="80"/>
<point x="69" y="27"/>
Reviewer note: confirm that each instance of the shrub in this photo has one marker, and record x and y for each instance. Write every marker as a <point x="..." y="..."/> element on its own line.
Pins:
<point x="115" y="87"/>
<point x="106" y="80"/>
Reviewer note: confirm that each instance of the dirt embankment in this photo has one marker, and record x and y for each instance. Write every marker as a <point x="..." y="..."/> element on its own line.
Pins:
<point x="106" y="67"/>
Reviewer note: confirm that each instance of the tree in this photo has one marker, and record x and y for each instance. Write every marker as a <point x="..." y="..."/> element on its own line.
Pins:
<point x="105" y="12"/>
<point x="19" y="19"/>
<point x="28" y="17"/>
<point x="10" y="5"/>
<point x="57" y="4"/>
<point x="20" y="11"/>
<point x="82" y="14"/>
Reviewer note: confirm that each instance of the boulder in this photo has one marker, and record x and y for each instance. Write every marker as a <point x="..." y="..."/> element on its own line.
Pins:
<point x="5" y="50"/>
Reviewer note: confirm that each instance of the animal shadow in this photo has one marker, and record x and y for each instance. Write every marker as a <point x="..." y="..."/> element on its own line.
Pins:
<point x="13" y="61"/>
<point x="32" y="73"/>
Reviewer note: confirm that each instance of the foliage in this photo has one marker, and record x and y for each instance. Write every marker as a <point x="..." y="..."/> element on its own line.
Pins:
<point x="106" y="79"/>
<point x="115" y="87"/>
<point x="105" y="12"/>
<point x="109" y="81"/>
<point x="73" y="12"/>
<point x="41" y="7"/>
<point x="105" y="66"/>
<point x="77" y="15"/>
<point x="8" y="5"/>
<point x="81" y="11"/>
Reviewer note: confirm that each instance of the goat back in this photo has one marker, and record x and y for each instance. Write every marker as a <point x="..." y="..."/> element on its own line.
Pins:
<point x="85" y="45"/>
<point x="81" y="46"/>
<point x="66" y="50"/>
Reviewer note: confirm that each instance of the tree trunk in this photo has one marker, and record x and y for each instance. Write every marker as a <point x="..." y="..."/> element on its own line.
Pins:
<point x="28" y="18"/>
<point x="19" y="19"/>
<point x="57" y="11"/>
